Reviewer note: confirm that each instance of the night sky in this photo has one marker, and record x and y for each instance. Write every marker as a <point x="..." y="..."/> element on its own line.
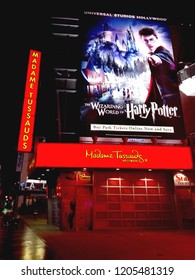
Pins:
<point x="23" y="31"/>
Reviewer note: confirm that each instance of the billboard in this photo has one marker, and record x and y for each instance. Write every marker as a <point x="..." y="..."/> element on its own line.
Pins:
<point x="129" y="77"/>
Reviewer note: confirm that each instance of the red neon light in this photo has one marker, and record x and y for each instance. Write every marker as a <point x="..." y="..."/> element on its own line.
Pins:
<point x="29" y="104"/>
<point x="112" y="156"/>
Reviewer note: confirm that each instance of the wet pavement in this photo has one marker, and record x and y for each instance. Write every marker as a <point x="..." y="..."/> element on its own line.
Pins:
<point x="22" y="243"/>
<point x="34" y="239"/>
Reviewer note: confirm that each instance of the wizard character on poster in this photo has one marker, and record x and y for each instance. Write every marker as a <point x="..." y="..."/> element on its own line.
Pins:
<point x="129" y="78"/>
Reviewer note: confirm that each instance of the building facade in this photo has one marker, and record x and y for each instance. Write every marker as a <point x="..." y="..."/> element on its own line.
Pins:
<point x="110" y="165"/>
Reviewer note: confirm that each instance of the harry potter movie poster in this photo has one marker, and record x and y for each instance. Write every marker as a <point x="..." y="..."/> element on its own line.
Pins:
<point x="129" y="78"/>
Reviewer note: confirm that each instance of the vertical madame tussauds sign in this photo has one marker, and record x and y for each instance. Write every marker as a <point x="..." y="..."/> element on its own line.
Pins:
<point x="29" y="104"/>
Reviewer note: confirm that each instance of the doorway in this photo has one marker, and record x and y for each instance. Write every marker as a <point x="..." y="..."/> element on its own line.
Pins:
<point x="83" y="216"/>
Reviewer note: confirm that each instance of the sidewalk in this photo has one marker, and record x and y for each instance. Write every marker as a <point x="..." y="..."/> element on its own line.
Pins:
<point x="115" y="244"/>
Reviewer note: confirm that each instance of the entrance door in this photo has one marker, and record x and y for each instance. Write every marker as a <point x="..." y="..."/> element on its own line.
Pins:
<point x="83" y="218"/>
